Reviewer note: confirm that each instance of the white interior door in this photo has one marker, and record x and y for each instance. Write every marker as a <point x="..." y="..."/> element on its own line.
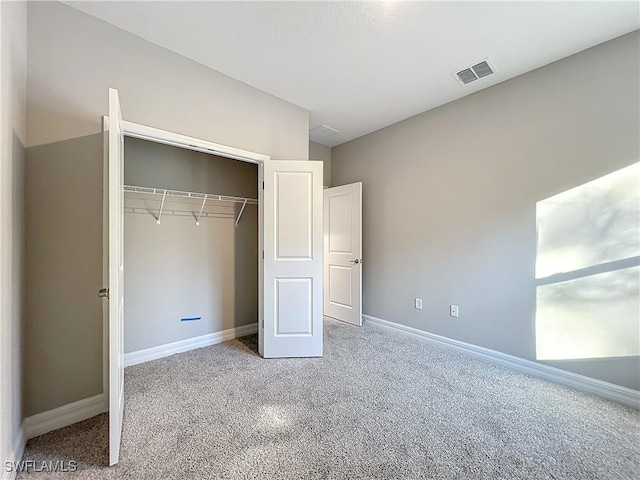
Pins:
<point x="292" y="267"/>
<point x="343" y="253"/>
<point x="116" y="275"/>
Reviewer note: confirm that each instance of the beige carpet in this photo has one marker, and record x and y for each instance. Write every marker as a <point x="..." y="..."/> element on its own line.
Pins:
<point x="378" y="405"/>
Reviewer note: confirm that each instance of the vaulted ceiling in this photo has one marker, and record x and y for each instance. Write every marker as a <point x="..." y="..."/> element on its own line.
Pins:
<point x="360" y="66"/>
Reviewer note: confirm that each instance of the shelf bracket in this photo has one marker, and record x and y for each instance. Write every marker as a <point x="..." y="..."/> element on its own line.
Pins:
<point x="201" y="210"/>
<point x="164" y="194"/>
<point x="241" y="210"/>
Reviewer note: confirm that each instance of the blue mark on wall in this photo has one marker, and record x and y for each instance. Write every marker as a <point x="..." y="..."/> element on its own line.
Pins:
<point x="190" y="319"/>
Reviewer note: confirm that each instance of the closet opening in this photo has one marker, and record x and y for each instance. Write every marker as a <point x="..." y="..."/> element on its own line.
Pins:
<point x="190" y="249"/>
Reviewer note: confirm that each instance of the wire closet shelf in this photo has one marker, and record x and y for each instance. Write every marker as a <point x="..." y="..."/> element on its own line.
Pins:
<point x="158" y="202"/>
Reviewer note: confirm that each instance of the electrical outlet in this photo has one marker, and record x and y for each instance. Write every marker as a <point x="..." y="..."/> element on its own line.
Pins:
<point x="418" y="303"/>
<point x="453" y="310"/>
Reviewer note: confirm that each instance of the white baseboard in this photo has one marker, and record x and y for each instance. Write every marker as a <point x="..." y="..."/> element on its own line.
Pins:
<point x="16" y="454"/>
<point x="142" y="356"/>
<point x="64" y="416"/>
<point x="593" y="386"/>
<point x="71" y="413"/>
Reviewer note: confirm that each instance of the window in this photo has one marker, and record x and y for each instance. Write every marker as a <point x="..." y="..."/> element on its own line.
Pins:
<point x="587" y="269"/>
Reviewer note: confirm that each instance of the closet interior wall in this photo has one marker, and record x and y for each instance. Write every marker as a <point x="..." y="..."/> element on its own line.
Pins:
<point x="177" y="271"/>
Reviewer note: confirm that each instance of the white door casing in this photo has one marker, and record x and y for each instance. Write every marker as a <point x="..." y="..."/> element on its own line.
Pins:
<point x="115" y="223"/>
<point x="343" y="253"/>
<point x="292" y="268"/>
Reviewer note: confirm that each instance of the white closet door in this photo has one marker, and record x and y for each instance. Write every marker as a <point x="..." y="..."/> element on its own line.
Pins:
<point x="292" y="267"/>
<point x="116" y="275"/>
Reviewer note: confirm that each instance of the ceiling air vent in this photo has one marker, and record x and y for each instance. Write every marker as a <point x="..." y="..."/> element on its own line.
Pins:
<point x="466" y="76"/>
<point x="321" y="132"/>
<point x="482" y="69"/>
<point x="474" y="72"/>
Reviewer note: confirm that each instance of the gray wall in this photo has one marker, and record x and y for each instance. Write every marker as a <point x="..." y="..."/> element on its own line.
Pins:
<point x="177" y="269"/>
<point x="63" y="358"/>
<point x="323" y="154"/>
<point x="73" y="59"/>
<point x="13" y="58"/>
<point x="450" y="197"/>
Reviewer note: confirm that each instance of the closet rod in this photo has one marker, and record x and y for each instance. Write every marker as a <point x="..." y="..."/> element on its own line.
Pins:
<point x="196" y="201"/>
<point x="193" y="195"/>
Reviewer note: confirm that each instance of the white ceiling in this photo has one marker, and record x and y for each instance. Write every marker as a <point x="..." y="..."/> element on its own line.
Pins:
<point x="360" y="66"/>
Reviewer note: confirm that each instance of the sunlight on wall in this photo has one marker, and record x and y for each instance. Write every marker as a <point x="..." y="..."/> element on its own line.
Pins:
<point x="591" y="317"/>
<point x="591" y="224"/>
<point x="588" y="302"/>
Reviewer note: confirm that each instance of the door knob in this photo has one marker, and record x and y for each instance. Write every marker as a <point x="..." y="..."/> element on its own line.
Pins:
<point x="356" y="261"/>
<point x="103" y="293"/>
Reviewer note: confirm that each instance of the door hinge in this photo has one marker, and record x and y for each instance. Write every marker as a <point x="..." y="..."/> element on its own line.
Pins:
<point x="263" y="185"/>
<point x="263" y="254"/>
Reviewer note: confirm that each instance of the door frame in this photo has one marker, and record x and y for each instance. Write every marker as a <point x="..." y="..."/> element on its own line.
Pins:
<point x="166" y="137"/>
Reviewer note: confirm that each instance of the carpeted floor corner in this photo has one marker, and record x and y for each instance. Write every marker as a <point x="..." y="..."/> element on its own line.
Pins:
<point x="378" y="405"/>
